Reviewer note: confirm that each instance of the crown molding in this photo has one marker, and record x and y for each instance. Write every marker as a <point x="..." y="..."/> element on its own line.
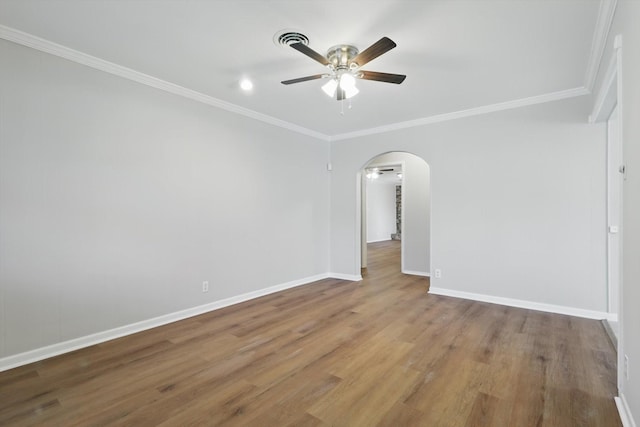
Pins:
<point x="43" y="45"/>
<point x="539" y="99"/>
<point x="603" y="25"/>
<point x="34" y="42"/>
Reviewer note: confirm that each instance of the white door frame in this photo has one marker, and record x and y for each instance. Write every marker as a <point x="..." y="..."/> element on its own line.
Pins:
<point x="608" y="98"/>
<point x="614" y="213"/>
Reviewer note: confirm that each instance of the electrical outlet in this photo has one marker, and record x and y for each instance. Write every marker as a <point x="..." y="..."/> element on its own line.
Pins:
<point x="626" y="367"/>
<point x="205" y="286"/>
<point x="438" y="273"/>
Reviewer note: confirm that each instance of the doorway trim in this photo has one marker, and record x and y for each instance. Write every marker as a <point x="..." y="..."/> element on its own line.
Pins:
<point x="614" y="213"/>
<point x="608" y="98"/>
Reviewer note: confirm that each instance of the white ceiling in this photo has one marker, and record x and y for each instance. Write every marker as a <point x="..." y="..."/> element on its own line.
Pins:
<point x="456" y="54"/>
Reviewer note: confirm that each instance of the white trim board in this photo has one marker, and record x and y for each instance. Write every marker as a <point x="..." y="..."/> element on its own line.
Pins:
<point x="508" y="105"/>
<point x="34" y="42"/>
<point x="607" y="95"/>
<point x="379" y="240"/>
<point x="416" y="273"/>
<point x="350" y="277"/>
<point x="38" y="354"/>
<point x="43" y="45"/>
<point x="530" y="305"/>
<point x="605" y="98"/>
<point x="603" y="25"/>
<point x="624" y="411"/>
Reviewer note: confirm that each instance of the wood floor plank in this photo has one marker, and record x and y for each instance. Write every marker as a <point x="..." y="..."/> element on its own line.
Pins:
<point x="281" y="403"/>
<point x="402" y="415"/>
<point x="380" y="352"/>
<point x="482" y="411"/>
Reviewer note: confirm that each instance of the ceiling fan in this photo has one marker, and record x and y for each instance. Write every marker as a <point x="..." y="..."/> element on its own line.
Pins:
<point x="344" y="62"/>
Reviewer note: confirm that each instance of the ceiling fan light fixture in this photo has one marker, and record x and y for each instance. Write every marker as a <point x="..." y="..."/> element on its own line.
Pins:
<point x="330" y="88"/>
<point x="351" y="92"/>
<point x="348" y="85"/>
<point x="347" y="81"/>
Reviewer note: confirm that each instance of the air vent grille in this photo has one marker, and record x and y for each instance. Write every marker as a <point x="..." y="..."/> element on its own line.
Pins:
<point x="288" y="37"/>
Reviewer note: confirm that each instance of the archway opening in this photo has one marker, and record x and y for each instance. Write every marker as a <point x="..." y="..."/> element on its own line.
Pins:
<point x="394" y="206"/>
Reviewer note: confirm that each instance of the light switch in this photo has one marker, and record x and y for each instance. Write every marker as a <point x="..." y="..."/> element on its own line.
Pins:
<point x="613" y="229"/>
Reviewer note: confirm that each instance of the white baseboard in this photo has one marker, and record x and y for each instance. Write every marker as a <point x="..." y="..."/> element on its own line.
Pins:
<point x="416" y="273"/>
<point x="379" y="240"/>
<point x="351" y="277"/>
<point x="31" y="356"/>
<point x="624" y="411"/>
<point x="550" y="308"/>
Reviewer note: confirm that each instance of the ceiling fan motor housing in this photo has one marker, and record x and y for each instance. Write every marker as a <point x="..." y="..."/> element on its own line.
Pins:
<point x="340" y="56"/>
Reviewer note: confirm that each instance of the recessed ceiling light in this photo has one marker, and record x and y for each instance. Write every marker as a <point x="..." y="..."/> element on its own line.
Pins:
<point x="246" y="85"/>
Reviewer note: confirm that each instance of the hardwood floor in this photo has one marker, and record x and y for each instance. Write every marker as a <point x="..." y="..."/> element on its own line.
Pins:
<point x="381" y="352"/>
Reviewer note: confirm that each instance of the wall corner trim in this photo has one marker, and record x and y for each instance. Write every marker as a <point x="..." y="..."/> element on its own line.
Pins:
<point x="606" y="95"/>
<point x="603" y="25"/>
<point x="530" y="305"/>
<point x="624" y="411"/>
<point x="46" y="352"/>
<point x="37" y="43"/>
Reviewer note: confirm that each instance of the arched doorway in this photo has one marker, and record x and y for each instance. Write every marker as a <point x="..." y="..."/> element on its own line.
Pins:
<point x="396" y="207"/>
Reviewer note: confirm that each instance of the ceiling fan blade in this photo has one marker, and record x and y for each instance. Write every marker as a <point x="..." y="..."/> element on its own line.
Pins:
<point x="382" y="77"/>
<point x="383" y="45"/>
<point x="303" y="79"/>
<point x="340" y="94"/>
<point x="303" y="48"/>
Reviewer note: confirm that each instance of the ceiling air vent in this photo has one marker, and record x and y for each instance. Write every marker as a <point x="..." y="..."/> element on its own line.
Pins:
<point x="288" y="37"/>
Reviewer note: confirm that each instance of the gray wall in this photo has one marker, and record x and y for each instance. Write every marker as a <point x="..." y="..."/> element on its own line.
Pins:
<point x="117" y="200"/>
<point x="381" y="210"/>
<point x="517" y="202"/>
